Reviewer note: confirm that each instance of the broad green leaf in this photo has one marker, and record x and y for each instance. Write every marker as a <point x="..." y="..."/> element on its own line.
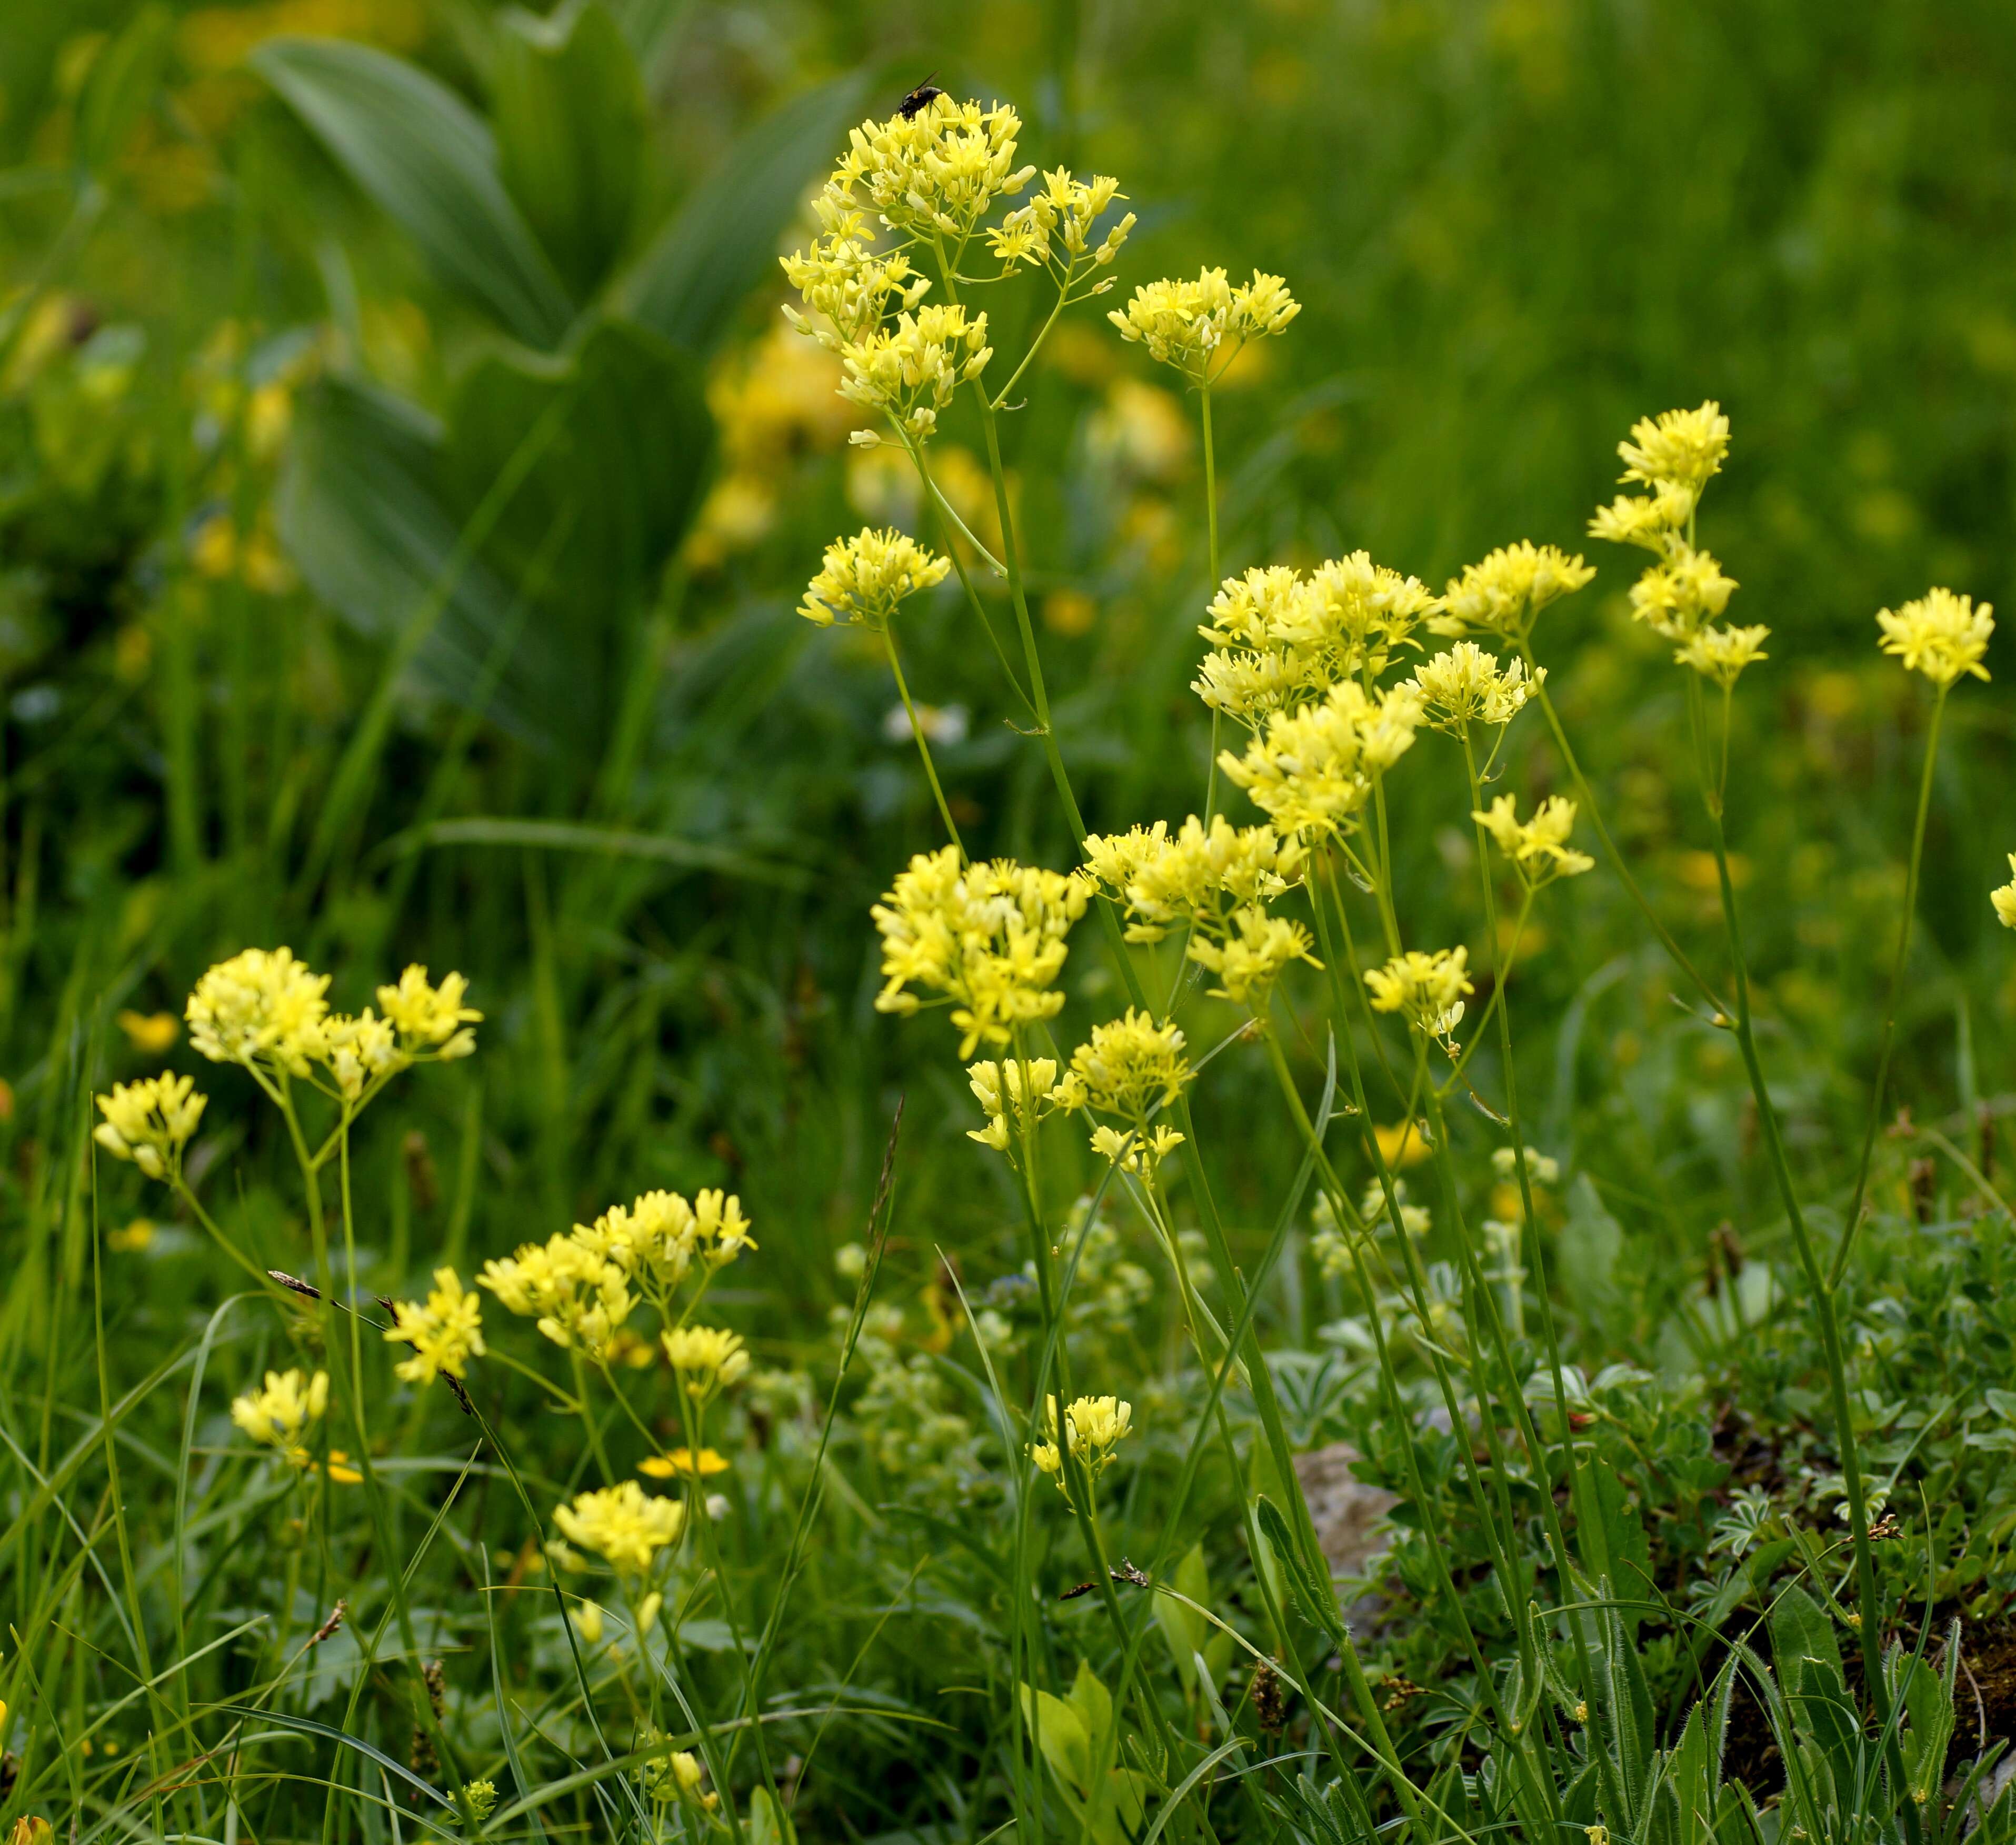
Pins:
<point x="1591" y="1243"/>
<point x="768" y="1824"/>
<point x="122" y="82"/>
<point x="1092" y="1702"/>
<point x="568" y="107"/>
<point x="625" y="472"/>
<point x="430" y="164"/>
<point x="1060" y="1734"/>
<point x="722" y="242"/>
<point x="1184" y="1628"/>
<point x="362" y="513"/>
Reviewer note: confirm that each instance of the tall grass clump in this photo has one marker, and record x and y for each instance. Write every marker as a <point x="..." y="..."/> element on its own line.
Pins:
<point x="578" y="1542"/>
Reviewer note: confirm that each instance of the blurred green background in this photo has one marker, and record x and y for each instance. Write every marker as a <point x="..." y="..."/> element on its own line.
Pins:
<point x="362" y="590"/>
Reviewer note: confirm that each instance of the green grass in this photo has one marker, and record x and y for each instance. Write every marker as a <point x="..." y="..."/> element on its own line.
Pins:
<point x="512" y="711"/>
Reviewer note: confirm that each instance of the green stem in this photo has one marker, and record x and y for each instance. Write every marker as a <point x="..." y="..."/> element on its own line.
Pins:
<point x="1870" y="1608"/>
<point x="1587" y="796"/>
<point x="917" y="731"/>
<point x="1854" y="1223"/>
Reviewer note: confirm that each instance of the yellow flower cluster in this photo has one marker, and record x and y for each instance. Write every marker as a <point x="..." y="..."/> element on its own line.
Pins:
<point x="578" y="1296"/>
<point x="1463" y="685"/>
<point x="844" y="281"/>
<point x="1000" y="1089"/>
<point x="1196" y="874"/>
<point x="1941" y="635"/>
<point x="933" y="174"/>
<point x="1054" y="229"/>
<point x="579" y="1287"/>
<point x="1721" y="654"/>
<point x="2003" y="897"/>
<point x="864" y="577"/>
<point x="1197" y="326"/>
<point x="1678" y="452"/>
<point x="1684" y="594"/>
<point x="656" y="1238"/>
<point x="149" y="1122"/>
<point x="1427" y="990"/>
<point x="266" y="1010"/>
<point x="279" y="1415"/>
<point x="1218" y="880"/>
<point x="1311" y="771"/>
<point x="910" y="369"/>
<point x="1130" y="1068"/>
<point x="1094" y="1427"/>
<point x="989" y="936"/>
<point x="261" y="1008"/>
<point x="445" y="1331"/>
<point x="707" y="1358"/>
<point x="1502" y="593"/>
<point x="1280" y="639"/>
<point x="623" y="1524"/>
<point x="1538" y="848"/>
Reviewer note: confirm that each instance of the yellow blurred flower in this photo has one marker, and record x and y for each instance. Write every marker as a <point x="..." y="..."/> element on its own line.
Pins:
<point x="150" y="1033"/>
<point x="135" y="1237"/>
<point x="681" y="1464"/>
<point x="1141" y="430"/>
<point x="1401" y="1144"/>
<point x="1069" y="612"/>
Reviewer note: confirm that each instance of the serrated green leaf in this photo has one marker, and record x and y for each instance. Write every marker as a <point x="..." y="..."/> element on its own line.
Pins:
<point x="429" y="163"/>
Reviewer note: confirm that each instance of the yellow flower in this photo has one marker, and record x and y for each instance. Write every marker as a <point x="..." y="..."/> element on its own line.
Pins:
<point x="481" y="1796"/>
<point x="1131" y="1065"/>
<point x="445" y="1333"/>
<point x="149" y="1122"/>
<point x="342" y="1475"/>
<point x="429" y="1018"/>
<point x="1538" y="848"/>
<point x="936" y="172"/>
<point x="151" y="1034"/>
<point x="1676" y="597"/>
<point x="588" y="1621"/>
<point x="911" y="370"/>
<point x="846" y="283"/>
<point x="1094" y="1427"/>
<point x="707" y="1358"/>
<point x="623" y="1524"/>
<point x="1648" y="521"/>
<point x="1255" y="951"/>
<point x="1463" y="685"/>
<point x="1678" y="448"/>
<point x="576" y="1295"/>
<point x="1426" y="989"/>
<point x="2003" y="897"/>
<point x="360" y="1052"/>
<point x="138" y="1235"/>
<point x="1054" y="229"/>
<point x="261" y="1008"/>
<point x="681" y="1464"/>
<point x="998" y="1088"/>
<point x="1941" y="635"/>
<point x="990" y="936"/>
<point x="1403" y="1144"/>
<point x="1311" y="771"/>
<point x="1502" y="593"/>
<point x="279" y="1415"/>
<point x="1721" y="654"/>
<point x="1136" y="1150"/>
<point x="864" y="577"/>
<point x="1197" y="326"/>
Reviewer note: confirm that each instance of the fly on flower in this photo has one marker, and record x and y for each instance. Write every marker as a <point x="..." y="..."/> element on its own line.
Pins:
<point x="921" y="97"/>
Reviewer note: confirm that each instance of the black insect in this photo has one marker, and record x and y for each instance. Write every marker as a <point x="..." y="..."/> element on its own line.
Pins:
<point x="921" y="97"/>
